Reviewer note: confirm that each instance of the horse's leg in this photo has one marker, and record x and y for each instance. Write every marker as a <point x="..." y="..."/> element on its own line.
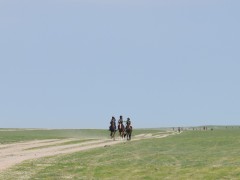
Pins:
<point x="130" y="134"/>
<point x="112" y="134"/>
<point x="119" y="134"/>
<point x="127" y="132"/>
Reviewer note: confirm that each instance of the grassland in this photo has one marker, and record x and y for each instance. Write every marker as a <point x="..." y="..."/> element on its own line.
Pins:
<point x="17" y="135"/>
<point x="189" y="155"/>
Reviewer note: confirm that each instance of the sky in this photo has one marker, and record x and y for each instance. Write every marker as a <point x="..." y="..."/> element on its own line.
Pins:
<point x="77" y="63"/>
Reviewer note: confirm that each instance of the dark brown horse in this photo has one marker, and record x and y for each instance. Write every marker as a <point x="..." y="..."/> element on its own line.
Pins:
<point x="128" y="131"/>
<point x="112" y="128"/>
<point x="121" y="130"/>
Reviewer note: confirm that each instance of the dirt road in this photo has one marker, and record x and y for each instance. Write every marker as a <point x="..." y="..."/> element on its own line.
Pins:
<point x="12" y="154"/>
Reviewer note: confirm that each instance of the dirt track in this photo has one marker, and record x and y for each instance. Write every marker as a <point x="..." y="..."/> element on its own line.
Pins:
<point x="12" y="154"/>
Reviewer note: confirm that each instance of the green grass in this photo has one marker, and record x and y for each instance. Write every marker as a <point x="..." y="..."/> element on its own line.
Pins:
<point x="27" y="135"/>
<point x="17" y="135"/>
<point x="190" y="155"/>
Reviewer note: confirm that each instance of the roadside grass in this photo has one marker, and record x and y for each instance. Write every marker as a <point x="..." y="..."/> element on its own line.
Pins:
<point x="28" y="135"/>
<point x="189" y="155"/>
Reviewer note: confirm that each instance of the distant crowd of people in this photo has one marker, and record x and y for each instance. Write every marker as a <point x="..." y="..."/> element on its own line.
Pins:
<point x="204" y="128"/>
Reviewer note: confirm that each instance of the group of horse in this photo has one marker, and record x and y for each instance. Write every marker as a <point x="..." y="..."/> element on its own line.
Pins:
<point x="124" y="131"/>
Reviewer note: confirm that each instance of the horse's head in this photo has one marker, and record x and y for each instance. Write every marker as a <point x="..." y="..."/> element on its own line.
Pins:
<point x="121" y="126"/>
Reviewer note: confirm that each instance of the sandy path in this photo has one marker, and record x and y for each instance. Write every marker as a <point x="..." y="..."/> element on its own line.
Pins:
<point x="12" y="154"/>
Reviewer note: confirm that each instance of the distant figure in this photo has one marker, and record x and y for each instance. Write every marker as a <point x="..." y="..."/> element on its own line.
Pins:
<point x="128" y="121"/>
<point x="120" y="121"/>
<point x="112" y="122"/>
<point x="179" y="129"/>
<point x="112" y="127"/>
<point x="121" y="127"/>
<point x="128" y="129"/>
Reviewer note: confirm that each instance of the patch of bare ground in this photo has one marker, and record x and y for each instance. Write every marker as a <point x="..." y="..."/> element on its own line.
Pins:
<point x="12" y="154"/>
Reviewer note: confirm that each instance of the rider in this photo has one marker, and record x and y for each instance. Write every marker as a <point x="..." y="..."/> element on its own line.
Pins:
<point x="120" y="121"/>
<point x="113" y="120"/>
<point x="128" y="121"/>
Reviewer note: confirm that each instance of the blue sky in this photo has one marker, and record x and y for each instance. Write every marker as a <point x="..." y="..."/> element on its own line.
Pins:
<point x="76" y="63"/>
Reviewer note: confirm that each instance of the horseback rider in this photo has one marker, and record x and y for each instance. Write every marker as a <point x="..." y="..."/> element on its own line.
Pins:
<point x="121" y="127"/>
<point x="128" y="129"/>
<point x="113" y="121"/>
<point x="120" y="121"/>
<point x="128" y="122"/>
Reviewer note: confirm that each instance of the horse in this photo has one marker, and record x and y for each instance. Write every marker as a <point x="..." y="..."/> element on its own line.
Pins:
<point x="128" y="131"/>
<point x="121" y="130"/>
<point x="112" y="128"/>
